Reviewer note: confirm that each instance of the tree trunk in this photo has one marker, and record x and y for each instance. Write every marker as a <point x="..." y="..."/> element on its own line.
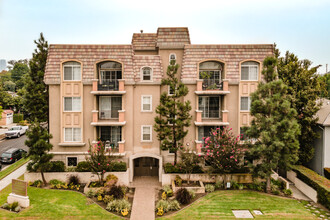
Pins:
<point x="43" y="178"/>
<point x="175" y="157"/>
<point x="268" y="189"/>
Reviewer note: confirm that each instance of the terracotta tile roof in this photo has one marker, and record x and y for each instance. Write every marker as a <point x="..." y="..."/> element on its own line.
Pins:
<point x="144" y="41"/>
<point x="153" y="61"/>
<point x="172" y="38"/>
<point x="232" y="55"/>
<point x="88" y="55"/>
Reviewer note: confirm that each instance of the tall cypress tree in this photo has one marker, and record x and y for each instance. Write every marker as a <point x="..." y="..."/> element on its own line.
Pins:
<point x="174" y="114"/>
<point x="274" y="125"/>
<point x="36" y="95"/>
<point x="305" y="88"/>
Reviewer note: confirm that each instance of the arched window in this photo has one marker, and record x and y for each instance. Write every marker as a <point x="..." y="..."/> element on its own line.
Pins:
<point x="146" y="74"/>
<point x="71" y="71"/>
<point x="172" y="57"/>
<point x="211" y="73"/>
<point x="250" y="70"/>
<point x="110" y="71"/>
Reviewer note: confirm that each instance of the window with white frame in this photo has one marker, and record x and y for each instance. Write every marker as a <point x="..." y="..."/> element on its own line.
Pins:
<point x="146" y="105"/>
<point x="72" y="134"/>
<point x="245" y="103"/>
<point x="146" y="133"/>
<point x="172" y="57"/>
<point x="249" y="70"/>
<point x="210" y="106"/>
<point x="109" y="107"/>
<point x="72" y="71"/>
<point x="72" y="104"/>
<point x="146" y="74"/>
<point x="72" y="161"/>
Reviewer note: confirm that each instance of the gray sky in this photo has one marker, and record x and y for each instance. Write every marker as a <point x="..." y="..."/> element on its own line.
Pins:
<point x="300" y="26"/>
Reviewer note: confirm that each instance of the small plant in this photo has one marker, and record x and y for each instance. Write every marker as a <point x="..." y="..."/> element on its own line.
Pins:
<point x="168" y="190"/>
<point x="240" y="186"/>
<point x="192" y="193"/>
<point x="234" y="184"/>
<point x="174" y="205"/>
<point x="178" y="180"/>
<point x="124" y="212"/>
<point x="37" y="183"/>
<point x="100" y="192"/>
<point x="218" y="185"/>
<point x="160" y="211"/>
<point x="111" y="180"/>
<point x="164" y="204"/>
<point x="90" y="193"/>
<point x="118" y="205"/>
<point x="55" y="182"/>
<point x="164" y="196"/>
<point x="107" y="199"/>
<point x="287" y="192"/>
<point x="209" y="188"/>
<point x="99" y="198"/>
<point x="14" y="207"/>
<point x="276" y="192"/>
<point x="83" y="166"/>
<point x="183" y="196"/>
<point x="74" y="180"/>
<point x="117" y="192"/>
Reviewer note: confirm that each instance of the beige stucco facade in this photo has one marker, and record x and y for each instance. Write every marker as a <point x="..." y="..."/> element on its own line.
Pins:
<point x="151" y="51"/>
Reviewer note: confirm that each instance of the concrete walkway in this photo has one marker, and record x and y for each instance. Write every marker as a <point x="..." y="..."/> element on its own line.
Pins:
<point x="14" y="175"/>
<point x="297" y="194"/>
<point x="144" y="198"/>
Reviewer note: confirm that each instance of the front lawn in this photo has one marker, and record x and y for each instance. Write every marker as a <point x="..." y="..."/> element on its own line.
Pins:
<point x="55" y="204"/>
<point x="219" y="205"/>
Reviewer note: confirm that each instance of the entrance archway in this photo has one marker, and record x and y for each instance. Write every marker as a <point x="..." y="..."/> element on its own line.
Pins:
<point x="145" y="164"/>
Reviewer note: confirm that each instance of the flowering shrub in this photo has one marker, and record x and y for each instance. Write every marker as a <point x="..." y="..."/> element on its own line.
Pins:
<point x="223" y="151"/>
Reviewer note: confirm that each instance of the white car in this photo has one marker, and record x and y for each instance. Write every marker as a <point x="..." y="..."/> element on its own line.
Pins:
<point x="16" y="131"/>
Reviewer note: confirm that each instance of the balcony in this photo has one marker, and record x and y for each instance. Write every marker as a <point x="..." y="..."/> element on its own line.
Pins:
<point x="212" y="86"/>
<point x="108" y="87"/>
<point x="103" y="118"/>
<point x="114" y="149"/>
<point x="201" y="120"/>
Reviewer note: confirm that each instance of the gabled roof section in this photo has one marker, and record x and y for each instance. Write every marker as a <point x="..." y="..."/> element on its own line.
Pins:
<point x="89" y="55"/>
<point x="324" y="113"/>
<point x="144" y="41"/>
<point x="172" y="38"/>
<point x="152" y="61"/>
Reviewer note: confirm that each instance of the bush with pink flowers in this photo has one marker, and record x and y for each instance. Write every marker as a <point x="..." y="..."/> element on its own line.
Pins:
<point x="223" y="151"/>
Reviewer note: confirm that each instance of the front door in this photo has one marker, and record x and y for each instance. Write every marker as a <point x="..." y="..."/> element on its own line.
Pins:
<point x="146" y="166"/>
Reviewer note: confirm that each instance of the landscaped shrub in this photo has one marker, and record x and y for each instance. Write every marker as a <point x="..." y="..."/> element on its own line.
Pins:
<point x="117" y="192"/>
<point x="234" y="184"/>
<point x="17" y="118"/>
<point x="83" y="166"/>
<point x="178" y="180"/>
<point x="168" y="205"/>
<point x="174" y="205"/>
<point x="319" y="183"/>
<point x="327" y="173"/>
<point x="107" y="199"/>
<point x="14" y="207"/>
<point x="209" y="188"/>
<point x="218" y="185"/>
<point x="55" y="182"/>
<point x="192" y="193"/>
<point x="22" y="123"/>
<point x="276" y="192"/>
<point x="183" y="196"/>
<point x="118" y="205"/>
<point x="37" y="183"/>
<point x="168" y="190"/>
<point x="91" y="193"/>
<point x="73" y="180"/>
<point x="287" y="192"/>
<point x="258" y="186"/>
<point x="179" y="168"/>
<point x="118" y="166"/>
<point x="56" y="166"/>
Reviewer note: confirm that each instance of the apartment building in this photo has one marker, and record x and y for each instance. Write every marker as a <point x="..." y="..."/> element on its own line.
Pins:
<point x="110" y="92"/>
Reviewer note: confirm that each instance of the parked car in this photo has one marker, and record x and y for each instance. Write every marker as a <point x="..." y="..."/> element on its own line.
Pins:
<point x="12" y="155"/>
<point x="16" y="131"/>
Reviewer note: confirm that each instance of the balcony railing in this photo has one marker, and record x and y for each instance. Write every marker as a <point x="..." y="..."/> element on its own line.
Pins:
<point x="212" y="84"/>
<point x="108" y="114"/>
<point x="211" y="114"/>
<point x="108" y="85"/>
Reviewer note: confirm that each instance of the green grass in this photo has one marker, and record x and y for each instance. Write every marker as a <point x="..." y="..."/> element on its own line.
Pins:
<point x="13" y="167"/>
<point x="219" y="205"/>
<point x="55" y="204"/>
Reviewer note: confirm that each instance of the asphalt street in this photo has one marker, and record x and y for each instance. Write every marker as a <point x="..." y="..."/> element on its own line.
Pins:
<point x="12" y="143"/>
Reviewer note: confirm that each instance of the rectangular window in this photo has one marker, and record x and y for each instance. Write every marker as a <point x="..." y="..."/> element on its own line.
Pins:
<point x="111" y="134"/>
<point x="210" y="106"/>
<point x="72" y="161"/>
<point x="249" y="71"/>
<point x="146" y="132"/>
<point x="72" y="72"/>
<point x="72" y="104"/>
<point x="205" y="131"/>
<point x="109" y="107"/>
<point x="245" y="103"/>
<point x="72" y="134"/>
<point x="146" y="103"/>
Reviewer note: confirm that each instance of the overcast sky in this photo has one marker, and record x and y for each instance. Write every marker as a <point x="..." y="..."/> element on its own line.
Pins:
<point x="300" y="26"/>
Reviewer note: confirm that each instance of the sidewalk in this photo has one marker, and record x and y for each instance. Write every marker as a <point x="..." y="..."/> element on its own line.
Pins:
<point x="14" y="175"/>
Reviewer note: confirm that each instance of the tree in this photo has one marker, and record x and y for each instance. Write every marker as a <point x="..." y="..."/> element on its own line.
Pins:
<point x="39" y="147"/>
<point x="274" y="126"/>
<point x="1" y="111"/>
<point x="12" y="63"/>
<point x="223" y="151"/>
<point x="305" y="88"/>
<point x="326" y="80"/>
<point x="174" y="113"/>
<point x="36" y="95"/>
<point x="188" y="160"/>
<point x="9" y="86"/>
<point x="98" y="161"/>
<point x="18" y="73"/>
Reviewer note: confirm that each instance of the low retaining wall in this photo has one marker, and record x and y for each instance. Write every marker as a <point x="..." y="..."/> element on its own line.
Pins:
<point x="303" y="187"/>
<point x="85" y="177"/>
<point x="196" y="189"/>
<point x="239" y="177"/>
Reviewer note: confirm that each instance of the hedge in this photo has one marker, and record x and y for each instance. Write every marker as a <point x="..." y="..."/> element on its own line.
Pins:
<point x="327" y="173"/>
<point x="52" y="166"/>
<point x="317" y="182"/>
<point x="83" y="166"/>
<point x="17" y="118"/>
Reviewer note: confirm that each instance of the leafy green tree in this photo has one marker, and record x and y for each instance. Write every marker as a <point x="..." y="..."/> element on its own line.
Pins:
<point x="305" y="88"/>
<point x="188" y="160"/>
<point x="174" y="113"/>
<point x="1" y="111"/>
<point x="18" y="73"/>
<point x="39" y="147"/>
<point x="326" y="80"/>
<point x="9" y="86"/>
<point x="36" y="95"/>
<point x="274" y="126"/>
